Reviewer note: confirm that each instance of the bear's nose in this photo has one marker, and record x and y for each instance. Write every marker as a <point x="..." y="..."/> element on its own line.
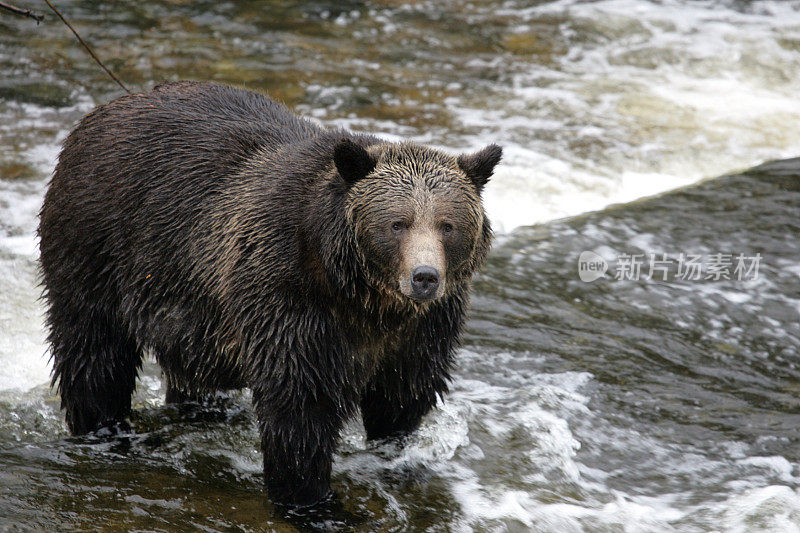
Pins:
<point x="424" y="282"/>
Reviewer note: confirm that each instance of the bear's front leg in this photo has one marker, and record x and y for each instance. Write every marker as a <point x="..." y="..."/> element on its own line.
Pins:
<point x="302" y="396"/>
<point x="406" y="385"/>
<point x="389" y="411"/>
<point x="298" y="444"/>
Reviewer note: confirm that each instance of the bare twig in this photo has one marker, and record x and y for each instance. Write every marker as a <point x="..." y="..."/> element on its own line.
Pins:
<point x="38" y="17"/>
<point x="88" y="49"/>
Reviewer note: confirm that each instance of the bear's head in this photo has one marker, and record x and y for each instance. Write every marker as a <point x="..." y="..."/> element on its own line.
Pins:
<point x="416" y="214"/>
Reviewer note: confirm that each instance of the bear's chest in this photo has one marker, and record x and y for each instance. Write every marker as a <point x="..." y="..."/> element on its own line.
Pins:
<point x="375" y="340"/>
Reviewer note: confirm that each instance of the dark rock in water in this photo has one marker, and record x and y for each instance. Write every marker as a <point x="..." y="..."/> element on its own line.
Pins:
<point x="39" y="93"/>
<point x="12" y="170"/>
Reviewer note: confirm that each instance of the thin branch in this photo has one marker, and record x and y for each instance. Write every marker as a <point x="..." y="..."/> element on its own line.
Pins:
<point x="88" y="49"/>
<point x="38" y="17"/>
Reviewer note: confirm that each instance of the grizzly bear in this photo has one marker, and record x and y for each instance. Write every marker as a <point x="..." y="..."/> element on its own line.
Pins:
<point x="244" y="246"/>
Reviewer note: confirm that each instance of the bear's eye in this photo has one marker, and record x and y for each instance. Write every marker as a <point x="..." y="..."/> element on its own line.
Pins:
<point x="398" y="227"/>
<point x="447" y="228"/>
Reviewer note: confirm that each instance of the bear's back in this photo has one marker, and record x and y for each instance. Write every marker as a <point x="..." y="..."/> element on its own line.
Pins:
<point x="139" y="175"/>
<point x="257" y="119"/>
<point x="178" y="130"/>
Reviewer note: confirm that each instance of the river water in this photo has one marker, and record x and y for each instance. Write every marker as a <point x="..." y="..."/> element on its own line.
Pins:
<point x="661" y="403"/>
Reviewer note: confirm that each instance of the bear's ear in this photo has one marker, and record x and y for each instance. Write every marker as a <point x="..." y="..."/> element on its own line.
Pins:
<point x="479" y="166"/>
<point x="352" y="161"/>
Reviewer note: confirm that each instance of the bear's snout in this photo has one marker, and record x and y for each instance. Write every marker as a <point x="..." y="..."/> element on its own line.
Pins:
<point x="424" y="283"/>
<point x="424" y="264"/>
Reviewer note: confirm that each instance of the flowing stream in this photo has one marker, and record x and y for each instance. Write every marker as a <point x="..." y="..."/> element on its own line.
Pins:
<point x="661" y="403"/>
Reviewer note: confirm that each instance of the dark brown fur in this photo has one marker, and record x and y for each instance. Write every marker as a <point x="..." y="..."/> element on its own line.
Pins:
<point x="246" y="247"/>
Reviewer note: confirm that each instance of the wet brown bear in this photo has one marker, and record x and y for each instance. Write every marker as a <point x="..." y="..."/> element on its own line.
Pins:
<point x="247" y="247"/>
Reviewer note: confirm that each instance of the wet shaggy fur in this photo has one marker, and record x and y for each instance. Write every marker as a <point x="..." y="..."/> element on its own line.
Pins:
<point x="247" y="247"/>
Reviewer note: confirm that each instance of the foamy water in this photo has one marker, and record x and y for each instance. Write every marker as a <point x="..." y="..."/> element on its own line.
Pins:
<point x="662" y="95"/>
